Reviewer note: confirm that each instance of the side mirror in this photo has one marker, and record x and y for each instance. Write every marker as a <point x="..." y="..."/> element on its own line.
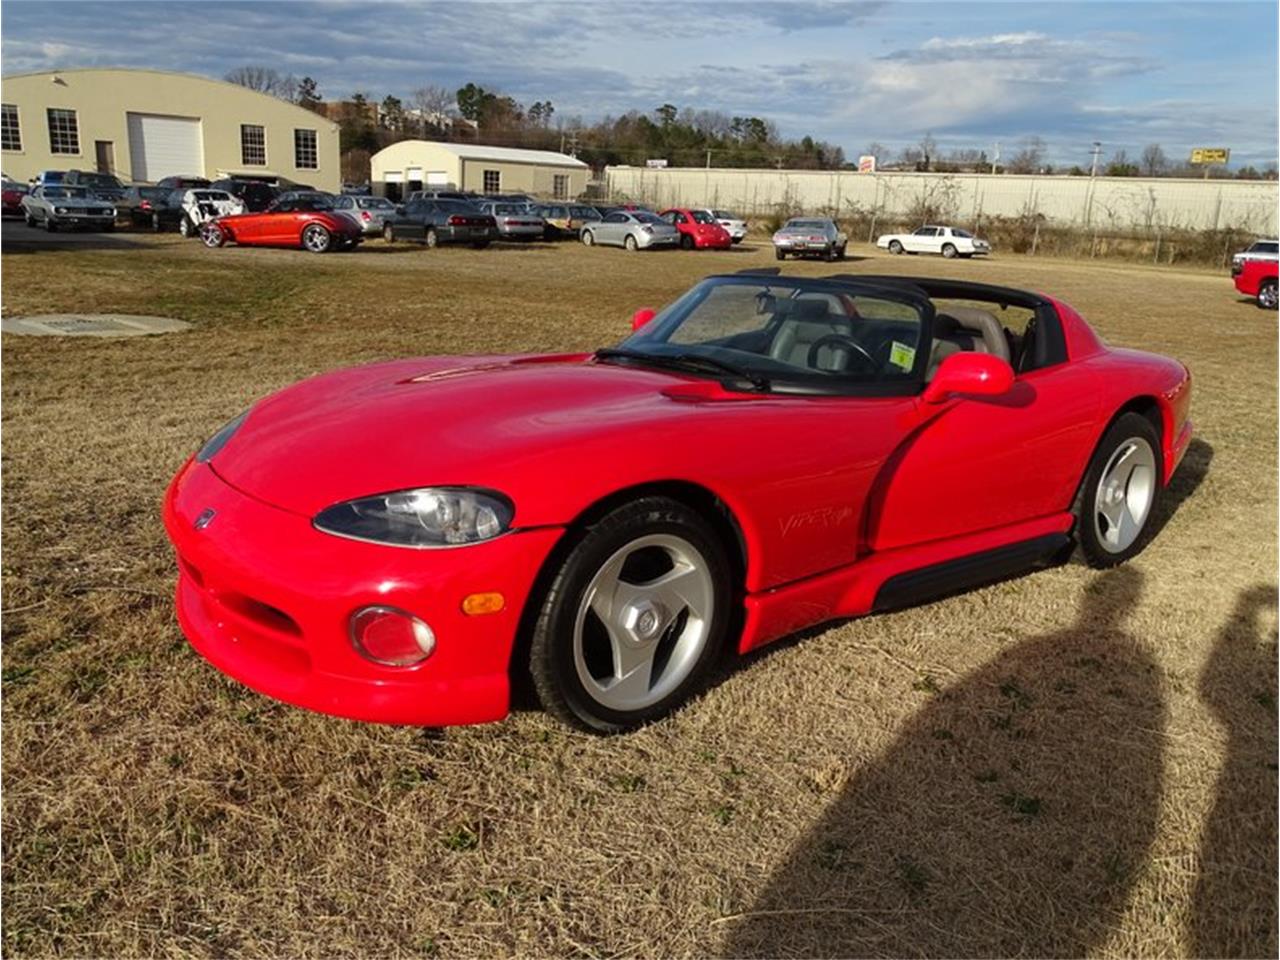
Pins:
<point x="640" y="318"/>
<point x="974" y="374"/>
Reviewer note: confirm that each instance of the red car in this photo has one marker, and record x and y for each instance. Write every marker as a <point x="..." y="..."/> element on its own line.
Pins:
<point x="698" y="229"/>
<point x="11" y="200"/>
<point x="294" y="220"/>
<point x="1257" y="279"/>
<point x="403" y="542"/>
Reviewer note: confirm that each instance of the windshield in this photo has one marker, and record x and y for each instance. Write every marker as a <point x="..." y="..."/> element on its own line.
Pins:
<point x="724" y="215"/>
<point x="99" y="180"/>
<point x="1264" y="246"/>
<point x="66" y="193"/>
<point x="792" y="334"/>
<point x="701" y="216"/>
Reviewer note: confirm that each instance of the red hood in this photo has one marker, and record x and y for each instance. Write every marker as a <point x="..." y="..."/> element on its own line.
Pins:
<point x="485" y="421"/>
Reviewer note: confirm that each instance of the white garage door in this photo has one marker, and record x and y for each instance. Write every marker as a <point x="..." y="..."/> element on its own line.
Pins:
<point x="164" y="147"/>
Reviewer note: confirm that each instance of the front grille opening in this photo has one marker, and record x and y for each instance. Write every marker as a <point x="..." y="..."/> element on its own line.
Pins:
<point x="261" y="613"/>
<point x="188" y="569"/>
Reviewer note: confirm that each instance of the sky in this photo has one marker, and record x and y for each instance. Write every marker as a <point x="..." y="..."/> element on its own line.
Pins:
<point x="847" y="71"/>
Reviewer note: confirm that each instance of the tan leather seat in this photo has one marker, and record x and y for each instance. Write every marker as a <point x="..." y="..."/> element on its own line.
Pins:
<point x="808" y="322"/>
<point x="968" y="329"/>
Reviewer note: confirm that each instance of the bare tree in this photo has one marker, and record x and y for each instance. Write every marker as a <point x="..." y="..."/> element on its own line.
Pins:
<point x="879" y="151"/>
<point x="928" y="151"/>
<point x="434" y="106"/>
<point x="1029" y="158"/>
<point x="262" y="79"/>
<point x="1154" y="161"/>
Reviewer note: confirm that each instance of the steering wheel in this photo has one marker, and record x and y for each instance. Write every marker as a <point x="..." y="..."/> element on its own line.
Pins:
<point x="839" y="340"/>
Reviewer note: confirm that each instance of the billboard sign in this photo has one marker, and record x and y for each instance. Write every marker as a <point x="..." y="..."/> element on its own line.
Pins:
<point x="867" y="163"/>
<point x="656" y="164"/>
<point x="1210" y="155"/>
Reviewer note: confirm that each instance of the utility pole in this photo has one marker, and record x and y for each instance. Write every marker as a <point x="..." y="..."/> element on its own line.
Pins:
<point x="708" y="159"/>
<point x="1097" y="152"/>
<point x="995" y="158"/>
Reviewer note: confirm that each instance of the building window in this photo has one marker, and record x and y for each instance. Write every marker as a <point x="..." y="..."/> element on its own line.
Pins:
<point x="305" y="154"/>
<point x="64" y="132"/>
<point x="560" y="186"/>
<point x="253" y="145"/>
<point x="493" y="181"/>
<point x="10" y="132"/>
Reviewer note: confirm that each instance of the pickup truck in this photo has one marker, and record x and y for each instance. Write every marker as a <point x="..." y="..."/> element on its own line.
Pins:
<point x="1257" y="279"/>
<point x="1258" y="250"/>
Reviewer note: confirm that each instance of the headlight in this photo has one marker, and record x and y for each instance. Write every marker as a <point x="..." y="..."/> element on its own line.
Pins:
<point x="111" y="212"/>
<point x="59" y="209"/>
<point x="219" y="439"/>
<point x="424" y="517"/>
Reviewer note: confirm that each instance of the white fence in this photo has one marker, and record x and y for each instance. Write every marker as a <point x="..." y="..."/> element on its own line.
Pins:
<point x="1115" y="203"/>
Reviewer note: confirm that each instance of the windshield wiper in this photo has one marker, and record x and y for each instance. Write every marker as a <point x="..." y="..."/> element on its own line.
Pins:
<point x="686" y="360"/>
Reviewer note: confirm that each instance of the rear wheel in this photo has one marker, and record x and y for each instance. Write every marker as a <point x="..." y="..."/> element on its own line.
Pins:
<point x="949" y="250"/>
<point x="155" y="223"/>
<point x="388" y="234"/>
<point x="686" y="241"/>
<point x="588" y="238"/>
<point x="432" y="238"/>
<point x="30" y="220"/>
<point x="479" y="244"/>
<point x="895" y="247"/>
<point x="1267" y="295"/>
<point x="49" y="225"/>
<point x="778" y="254"/>
<point x="186" y="227"/>
<point x="829" y="254"/>
<point x="1121" y="491"/>
<point x="212" y="236"/>
<point x="316" y="238"/>
<point x="630" y="243"/>
<point x="636" y="615"/>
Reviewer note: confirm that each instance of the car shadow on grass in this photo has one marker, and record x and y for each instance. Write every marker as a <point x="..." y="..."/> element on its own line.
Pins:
<point x="1011" y="816"/>
<point x="1234" y="904"/>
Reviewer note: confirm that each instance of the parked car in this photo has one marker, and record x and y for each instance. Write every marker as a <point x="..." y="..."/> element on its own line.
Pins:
<point x="566" y="219"/>
<point x="369" y="213"/>
<point x="305" y="220"/>
<point x="198" y="207"/>
<point x="514" y="220"/>
<point x="1258" y="250"/>
<point x="394" y="542"/>
<point x="631" y="229"/>
<point x="698" y="229"/>
<point x="434" y="222"/>
<point x="154" y="207"/>
<point x="736" y="226"/>
<point x="1257" y="279"/>
<point x="101" y="185"/>
<point x="948" y="241"/>
<point x="182" y="183"/>
<point x="255" y="194"/>
<point x="47" y="178"/>
<point x="810" y="236"/>
<point x="11" y="194"/>
<point x="54" y="207"/>
<point x="441" y="195"/>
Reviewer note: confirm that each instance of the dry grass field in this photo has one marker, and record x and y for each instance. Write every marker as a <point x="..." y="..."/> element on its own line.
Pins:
<point x="1063" y="764"/>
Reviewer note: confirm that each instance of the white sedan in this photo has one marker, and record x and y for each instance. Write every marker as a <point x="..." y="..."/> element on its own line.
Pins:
<point x="736" y="226"/>
<point x="948" y="241"/>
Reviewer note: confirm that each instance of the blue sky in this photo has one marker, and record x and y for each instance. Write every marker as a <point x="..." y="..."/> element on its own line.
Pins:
<point x="1128" y="74"/>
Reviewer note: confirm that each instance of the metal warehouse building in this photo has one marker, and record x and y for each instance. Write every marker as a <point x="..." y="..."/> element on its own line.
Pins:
<point x="142" y="125"/>
<point x="427" y="164"/>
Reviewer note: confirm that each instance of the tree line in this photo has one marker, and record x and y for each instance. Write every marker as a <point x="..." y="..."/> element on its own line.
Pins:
<point x="682" y="137"/>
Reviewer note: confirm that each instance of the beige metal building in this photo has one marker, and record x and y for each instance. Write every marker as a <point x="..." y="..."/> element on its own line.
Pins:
<point x="428" y="164"/>
<point x="142" y="125"/>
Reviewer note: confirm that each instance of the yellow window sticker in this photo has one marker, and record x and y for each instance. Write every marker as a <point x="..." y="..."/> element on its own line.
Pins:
<point x="902" y="356"/>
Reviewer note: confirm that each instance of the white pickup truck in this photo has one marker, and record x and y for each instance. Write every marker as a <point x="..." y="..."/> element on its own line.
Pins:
<point x="948" y="241"/>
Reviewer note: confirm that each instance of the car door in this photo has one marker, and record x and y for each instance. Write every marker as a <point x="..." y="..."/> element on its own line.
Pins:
<point x="980" y="463"/>
<point x="613" y="228"/>
<point x="919" y="241"/>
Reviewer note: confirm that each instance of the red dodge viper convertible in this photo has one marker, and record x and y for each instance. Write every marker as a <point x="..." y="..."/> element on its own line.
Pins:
<point x="305" y="220"/>
<point x="401" y="542"/>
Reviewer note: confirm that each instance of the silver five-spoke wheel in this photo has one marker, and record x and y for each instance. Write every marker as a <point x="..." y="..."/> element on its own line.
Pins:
<point x="643" y="622"/>
<point x="1124" y="496"/>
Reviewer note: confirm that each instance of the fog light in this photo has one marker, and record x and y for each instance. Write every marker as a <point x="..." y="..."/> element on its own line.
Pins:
<point x="392" y="637"/>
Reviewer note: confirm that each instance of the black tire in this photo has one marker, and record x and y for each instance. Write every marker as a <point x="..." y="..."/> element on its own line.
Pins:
<point x="49" y="225"/>
<point x="316" y="239"/>
<point x="630" y="243"/>
<point x="551" y="653"/>
<point x="829" y="254"/>
<point x="109" y="227"/>
<point x="1127" y="428"/>
<point x="156" y="225"/>
<point x="778" y="254"/>
<point x="686" y="241"/>
<point x="211" y="236"/>
<point x="185" y="227"/>
<point x="949" y="250"/>
<point x="588" y="238"/>
<point x="895" y="247"/>
<point x="30" y="220"/>
<point x="1267" y="296"/>
<point x="479" y="244"/>
<point x="431" y="238"/>
<point x="388" y="233"/>
<point x="841" y="250"/>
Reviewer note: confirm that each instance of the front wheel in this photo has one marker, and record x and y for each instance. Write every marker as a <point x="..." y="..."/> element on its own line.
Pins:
<point x="1120" y="493"/>
<point x="630" y="243"/>
<point x="50" y="226"/>
<point x="949" y="251"/>
<point x="432" y="238"/>
<point x="588" y="238"/>
<point x="212" y="236"/>
<point x="895" y="247"/>
<point x="316" y="238"/>
<point x="479" y="244"/>
<point x="779" y="255"/>
<point x="1267" y="296"/>
<point x="186" y="227"/>
<point x="634" y="619"/>
<point x="30" y="220"/>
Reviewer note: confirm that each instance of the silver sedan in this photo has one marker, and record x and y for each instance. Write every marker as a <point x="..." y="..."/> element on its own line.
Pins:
<point x="632" y="229"/>
<point x="810" y="236"/>
<point x="369" y="213"/>
<point x="516" y="221"/>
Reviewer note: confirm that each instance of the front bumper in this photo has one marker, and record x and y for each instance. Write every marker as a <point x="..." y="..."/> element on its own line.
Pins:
<point x="81" y="219"/>
<point x="266" y="598"/>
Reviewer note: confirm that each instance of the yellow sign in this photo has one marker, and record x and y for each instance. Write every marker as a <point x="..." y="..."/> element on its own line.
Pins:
<point x="1208" y="155"/>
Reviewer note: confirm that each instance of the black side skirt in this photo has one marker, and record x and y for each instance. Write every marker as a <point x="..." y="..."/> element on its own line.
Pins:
<point x="952" y="576"/>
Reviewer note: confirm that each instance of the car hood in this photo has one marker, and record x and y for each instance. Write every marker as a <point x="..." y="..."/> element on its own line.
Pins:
<point x="487" y="421"/>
